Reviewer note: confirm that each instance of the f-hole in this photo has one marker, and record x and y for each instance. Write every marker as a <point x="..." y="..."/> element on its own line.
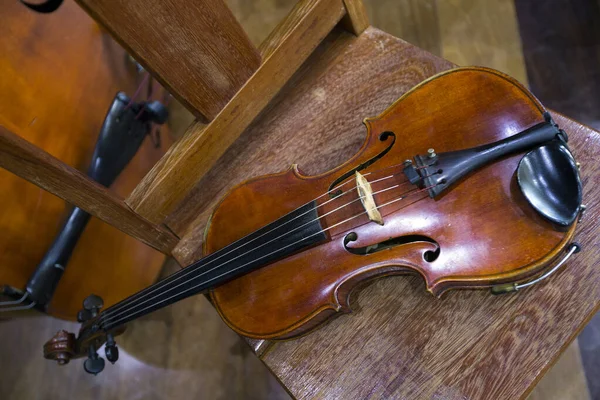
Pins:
<point x="383" y="137"/>
<point x="428" y="256"/>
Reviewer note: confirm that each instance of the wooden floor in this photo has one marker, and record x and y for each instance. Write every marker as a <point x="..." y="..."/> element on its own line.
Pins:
<point x="185" y="351"/>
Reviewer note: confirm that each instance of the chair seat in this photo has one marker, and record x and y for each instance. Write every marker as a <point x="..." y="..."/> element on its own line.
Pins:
<point x="401" y="341"/>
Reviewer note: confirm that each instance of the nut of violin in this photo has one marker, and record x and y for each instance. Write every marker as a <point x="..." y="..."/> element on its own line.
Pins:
<point x="60" y="348"/>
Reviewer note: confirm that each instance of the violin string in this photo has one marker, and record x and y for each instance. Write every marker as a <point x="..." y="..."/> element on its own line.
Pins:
<point x="258" y="247"/>
<point x="173" y="278"/>
<point x="186" y="271"/>
<point x="115" y="323"/>
<point x="107" y="317"/>
<point x="134" y="301"/>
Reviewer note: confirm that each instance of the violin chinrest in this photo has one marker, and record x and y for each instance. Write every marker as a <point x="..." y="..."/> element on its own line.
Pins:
<point x="549" y="179"/>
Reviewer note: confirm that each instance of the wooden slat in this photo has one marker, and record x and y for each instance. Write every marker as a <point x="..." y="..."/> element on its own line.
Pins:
<point x="192" y="157"/>
<point x="196" y="49"/>
<point x="35" y="165"/>
<point x="275" y="39"/>
<point x="316" y="120"/>
<point x="356" y="19"/>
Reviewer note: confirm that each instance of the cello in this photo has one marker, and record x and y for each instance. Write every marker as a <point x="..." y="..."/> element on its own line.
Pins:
<point x="58" y="101"/>
<point x="465" y="181"/>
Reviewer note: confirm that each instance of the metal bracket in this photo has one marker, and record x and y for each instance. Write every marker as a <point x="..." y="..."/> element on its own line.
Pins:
<point x="513" y="287"/>
<point x="4" y="305"/>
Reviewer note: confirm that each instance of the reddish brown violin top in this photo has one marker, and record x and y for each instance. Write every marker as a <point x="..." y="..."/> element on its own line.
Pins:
<point x="484" y="228"/>
<point x="283" y="252"/>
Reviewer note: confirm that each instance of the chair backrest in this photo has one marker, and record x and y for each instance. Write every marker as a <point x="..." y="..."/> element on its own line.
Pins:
<point x="197" y="49"/>
<point x="201" y="54"/>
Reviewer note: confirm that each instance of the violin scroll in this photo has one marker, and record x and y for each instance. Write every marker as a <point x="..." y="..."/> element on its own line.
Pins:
<point x="65" y="346"/>
<point x="61" y="348"/>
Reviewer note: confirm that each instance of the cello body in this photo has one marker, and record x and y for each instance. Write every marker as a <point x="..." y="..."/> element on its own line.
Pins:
<point x="59" y="74"/>
<point x="479" y="233"/>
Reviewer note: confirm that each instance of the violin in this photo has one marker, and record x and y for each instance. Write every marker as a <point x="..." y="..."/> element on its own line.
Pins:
<point x="465" y="181"/>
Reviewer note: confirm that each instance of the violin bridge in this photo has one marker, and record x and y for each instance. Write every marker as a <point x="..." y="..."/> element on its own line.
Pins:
<point x="366" y="198"/>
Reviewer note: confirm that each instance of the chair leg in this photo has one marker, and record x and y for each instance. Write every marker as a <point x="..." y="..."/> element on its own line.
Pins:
<point x="356" y="19"/>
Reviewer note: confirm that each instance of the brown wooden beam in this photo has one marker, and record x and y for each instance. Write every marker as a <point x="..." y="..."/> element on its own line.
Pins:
<point x="40" y="168"/>
<point x="356" y="19"/>
<point x="196" y="49"/>
<point x="188" y="160"/>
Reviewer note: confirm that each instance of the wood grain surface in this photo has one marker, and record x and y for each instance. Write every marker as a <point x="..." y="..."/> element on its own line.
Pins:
<point x="57" y="100"/>
<point x="279" y="35"/>
<point x="356" y="19"/>
<point x="351" y="78"/>
<point x="193" y="156"/>
<point x="197" y="50"/>
<point x="35" y="165"/>
<point x="489" y="333"/>
<point x="161" y="365"/>
<point x="473" y="107"/>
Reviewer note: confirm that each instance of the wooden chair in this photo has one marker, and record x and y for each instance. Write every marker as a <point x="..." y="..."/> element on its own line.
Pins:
<point x="301" y="96"/>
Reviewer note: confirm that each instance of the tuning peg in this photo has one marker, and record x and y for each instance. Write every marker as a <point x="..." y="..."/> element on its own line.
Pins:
<point x="94" y="364"/>
<point x="111" y="350"/>
<point x="92" y="304"/>
<point x="83" y="315"/>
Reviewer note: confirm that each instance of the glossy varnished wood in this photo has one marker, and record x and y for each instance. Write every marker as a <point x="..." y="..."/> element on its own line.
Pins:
<point x="351" y="77"/>
<point x="59" y="75"/>
<point x="33" y="164"/>
<point x="392" y="311"/>
<point x="469" y="345"/>
<point x="486" y="230"/>
<point x="197" y="50"/>
<point x="162" y="367"/>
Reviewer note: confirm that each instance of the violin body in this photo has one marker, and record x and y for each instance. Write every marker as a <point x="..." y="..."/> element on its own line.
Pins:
<point x="481" y="232"/>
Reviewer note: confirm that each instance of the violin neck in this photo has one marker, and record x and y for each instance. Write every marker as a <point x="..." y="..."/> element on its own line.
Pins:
<point x="293" y="232"/>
